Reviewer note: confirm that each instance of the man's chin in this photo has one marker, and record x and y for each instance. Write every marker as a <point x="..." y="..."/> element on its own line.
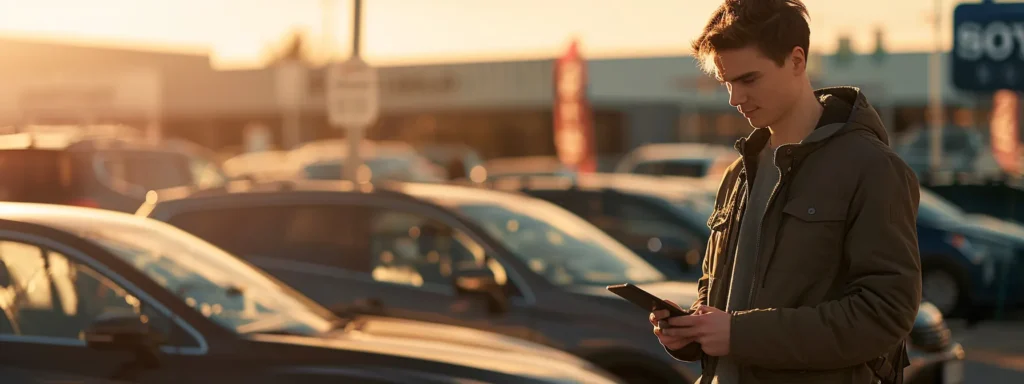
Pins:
<point x="756" y="123"/>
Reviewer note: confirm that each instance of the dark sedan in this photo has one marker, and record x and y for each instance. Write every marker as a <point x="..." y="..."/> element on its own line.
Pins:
<point x="98" y="296"/>
<point x="464" y="256"/>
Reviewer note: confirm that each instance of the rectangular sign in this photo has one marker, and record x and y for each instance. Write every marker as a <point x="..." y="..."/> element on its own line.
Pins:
<point x="988" y="47"/>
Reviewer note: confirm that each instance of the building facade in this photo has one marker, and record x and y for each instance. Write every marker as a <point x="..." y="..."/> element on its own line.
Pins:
<point x="500" y="108"/>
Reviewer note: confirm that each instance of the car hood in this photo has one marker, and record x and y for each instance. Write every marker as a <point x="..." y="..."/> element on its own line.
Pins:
<point x="469" y="348"/>
<point x="993" y="229"/>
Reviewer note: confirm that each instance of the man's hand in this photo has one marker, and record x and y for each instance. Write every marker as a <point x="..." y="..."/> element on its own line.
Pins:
<point x="709" y="326"/>
<point x="659" y="319"/>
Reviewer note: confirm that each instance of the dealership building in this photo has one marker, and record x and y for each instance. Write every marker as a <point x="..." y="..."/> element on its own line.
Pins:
<point x="500" y="108"/>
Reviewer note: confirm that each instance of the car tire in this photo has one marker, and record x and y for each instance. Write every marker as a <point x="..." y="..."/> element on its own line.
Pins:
<point x="943" y="285"/>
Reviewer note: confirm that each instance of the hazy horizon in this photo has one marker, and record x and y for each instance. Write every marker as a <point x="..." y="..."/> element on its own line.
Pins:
<point x="241" y="33"/>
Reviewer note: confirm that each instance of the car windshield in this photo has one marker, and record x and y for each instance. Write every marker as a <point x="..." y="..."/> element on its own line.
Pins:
<point x="557" y="244"/>
<point x="208" y="279"/>
<point x="935" y="209"/>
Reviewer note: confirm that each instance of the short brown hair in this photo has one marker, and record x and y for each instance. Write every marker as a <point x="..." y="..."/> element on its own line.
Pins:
<point x="773" y="26"/>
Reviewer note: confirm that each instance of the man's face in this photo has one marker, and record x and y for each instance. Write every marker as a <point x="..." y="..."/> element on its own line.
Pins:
<point x="759" y="88"/>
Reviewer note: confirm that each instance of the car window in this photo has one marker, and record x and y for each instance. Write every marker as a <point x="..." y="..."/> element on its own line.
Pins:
<point x="51" y="295"/>
<point x="412" y="249"/>
<point x="318" y="234"/>
<point x="649" y="168"/>
<point x="148" y="170"/>
<point x="36" y="176"/>
<point x="686" y="168"/>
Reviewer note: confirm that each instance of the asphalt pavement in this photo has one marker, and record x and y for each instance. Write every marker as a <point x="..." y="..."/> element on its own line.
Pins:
<point x="994" y="351"/>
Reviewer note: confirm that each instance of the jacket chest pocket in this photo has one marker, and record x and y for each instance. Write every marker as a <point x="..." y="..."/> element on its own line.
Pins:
<point x="719" y="241"/>
<point x="811" y="237"/>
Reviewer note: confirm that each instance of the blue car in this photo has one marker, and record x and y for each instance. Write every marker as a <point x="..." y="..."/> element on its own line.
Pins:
<point x="967" y="259"/>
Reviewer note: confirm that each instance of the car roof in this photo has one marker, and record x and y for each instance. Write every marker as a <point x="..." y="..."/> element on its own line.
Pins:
<point x="421" y="191"/>
<point x="673" y="188"/>
<point x="53" y="215"/>
<point x="680" y="151"/>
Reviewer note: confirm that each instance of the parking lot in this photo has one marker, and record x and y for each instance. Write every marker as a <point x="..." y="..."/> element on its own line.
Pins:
<point x="995" y="353"/>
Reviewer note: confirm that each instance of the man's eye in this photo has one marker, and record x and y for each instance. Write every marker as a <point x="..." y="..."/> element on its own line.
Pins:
<point x="748" y="81"/>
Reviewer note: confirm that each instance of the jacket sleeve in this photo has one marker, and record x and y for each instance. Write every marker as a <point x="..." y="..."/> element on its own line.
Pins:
<point x="879" y="300"/>
<point x="693" y="351"/>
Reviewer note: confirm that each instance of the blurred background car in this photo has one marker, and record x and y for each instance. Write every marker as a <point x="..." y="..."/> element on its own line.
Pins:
<point x="104" y="166"/>
<point x="500" y="262"/>
<point x="324" y="160"/>
<point x="525" y="166"/>
<point x="459" y="160"/>
<point x="969" y="261"/>
<point x="156" y="304"/>
<point x="679" y="159"/>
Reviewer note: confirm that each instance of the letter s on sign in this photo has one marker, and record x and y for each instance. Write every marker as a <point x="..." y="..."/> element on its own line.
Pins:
<point x="970" y="43"/>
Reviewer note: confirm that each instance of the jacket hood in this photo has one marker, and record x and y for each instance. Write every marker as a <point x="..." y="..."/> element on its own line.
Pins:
<point x="863" y="117"/>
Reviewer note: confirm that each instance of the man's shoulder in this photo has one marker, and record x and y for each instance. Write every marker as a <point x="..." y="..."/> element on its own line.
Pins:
<point x="872" y="159"/>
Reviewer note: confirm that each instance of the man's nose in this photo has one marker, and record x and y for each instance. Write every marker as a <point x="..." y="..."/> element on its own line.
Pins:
<point x="736" y="97"/>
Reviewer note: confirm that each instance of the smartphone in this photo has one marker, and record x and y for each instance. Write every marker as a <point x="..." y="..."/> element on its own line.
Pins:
<point x="645" y="300"/>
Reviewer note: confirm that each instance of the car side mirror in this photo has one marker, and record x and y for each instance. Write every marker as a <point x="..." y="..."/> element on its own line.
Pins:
<point x="481" y="281"/>
<point x="122" y="330"/>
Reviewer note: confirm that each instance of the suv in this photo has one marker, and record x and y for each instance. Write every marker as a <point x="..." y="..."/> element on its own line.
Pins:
<point x="494" y="261"/>
<point x="99" y="172"/>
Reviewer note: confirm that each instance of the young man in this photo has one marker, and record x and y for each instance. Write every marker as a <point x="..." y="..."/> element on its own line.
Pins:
<point x="812" y="270"/>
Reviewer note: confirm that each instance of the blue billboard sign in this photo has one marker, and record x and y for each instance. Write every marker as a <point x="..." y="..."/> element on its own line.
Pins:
<point x="988" y="47"/>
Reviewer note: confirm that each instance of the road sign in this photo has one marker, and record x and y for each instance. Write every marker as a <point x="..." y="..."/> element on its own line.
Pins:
<point x="352" y="94"/>
<point x="1004" y="126"/>
<point x="988" y="46"/>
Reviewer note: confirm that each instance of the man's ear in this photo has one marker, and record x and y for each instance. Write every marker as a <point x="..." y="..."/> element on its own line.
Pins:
<point x="799" y="58"/>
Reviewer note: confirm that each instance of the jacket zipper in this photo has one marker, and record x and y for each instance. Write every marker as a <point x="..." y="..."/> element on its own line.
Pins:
<point x="757" y="249"/>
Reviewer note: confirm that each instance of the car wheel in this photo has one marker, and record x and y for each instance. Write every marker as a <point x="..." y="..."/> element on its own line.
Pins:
<point x="942" y="288"/>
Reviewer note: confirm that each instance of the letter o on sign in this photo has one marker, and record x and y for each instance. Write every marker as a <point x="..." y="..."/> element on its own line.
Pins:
<point x="998" y="41"/>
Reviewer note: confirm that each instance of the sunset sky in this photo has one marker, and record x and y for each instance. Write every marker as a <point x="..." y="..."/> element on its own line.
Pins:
<point x="238" y="33"/>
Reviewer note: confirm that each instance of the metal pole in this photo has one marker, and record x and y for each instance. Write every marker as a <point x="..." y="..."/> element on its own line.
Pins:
<point x="355" y="134"/>
<point x="935" y="107"/>
<point x="357" y="27"/>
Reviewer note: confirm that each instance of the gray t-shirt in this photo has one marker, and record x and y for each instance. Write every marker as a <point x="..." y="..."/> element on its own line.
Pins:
<point x="743" y="266"/>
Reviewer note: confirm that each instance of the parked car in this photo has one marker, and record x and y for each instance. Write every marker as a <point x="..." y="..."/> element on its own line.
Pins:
<point x="968" y="261"/>
<point x="494" y="261"/>
<point x="679" y="159"/>
<point x="449" y="156"/>
<point x="665" y="221"/>
<point x="382" y="160"/>
<point x="100" y="296"/>
<point x="525" y="166"/>
<point x="262" y="166"/>
<point x="62" y="167"/>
